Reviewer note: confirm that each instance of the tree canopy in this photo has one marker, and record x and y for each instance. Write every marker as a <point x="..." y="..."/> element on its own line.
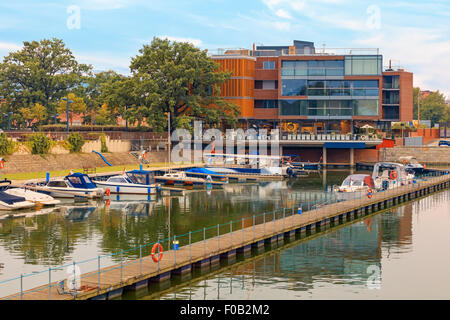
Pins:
<point x="166" y="77"/>
<point x="433" y="107"/>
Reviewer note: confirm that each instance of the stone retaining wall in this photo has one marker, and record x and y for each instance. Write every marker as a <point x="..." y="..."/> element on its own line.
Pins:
<point x="431" y="155"/>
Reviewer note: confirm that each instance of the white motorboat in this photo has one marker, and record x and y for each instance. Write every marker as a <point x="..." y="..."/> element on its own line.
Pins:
<point x="412" y="164"/>
<point x="132" y="182"/>
<point x="355" y="185"/>
<point x="76" y="185"/>
<point x="9" y="202"/>
<point x="389" y="175"/>
<point x="35" y="197"/>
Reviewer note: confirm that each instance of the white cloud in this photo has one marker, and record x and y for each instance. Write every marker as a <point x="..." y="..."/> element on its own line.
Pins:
<point x="8" y="46"/>
<point x="283" y="14"/>
<point x="195" y="42"/>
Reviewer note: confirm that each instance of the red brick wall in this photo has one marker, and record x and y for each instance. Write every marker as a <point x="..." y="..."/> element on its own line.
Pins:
<point x="366" y="155"/>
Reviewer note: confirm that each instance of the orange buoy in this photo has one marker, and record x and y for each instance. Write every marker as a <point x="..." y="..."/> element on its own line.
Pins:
<point x="393" y="175"/>
<point x="108" y="192"/>
<point x="369" y="193"/>
<point x="160" y="252"/>
<point x="2" y="164"/>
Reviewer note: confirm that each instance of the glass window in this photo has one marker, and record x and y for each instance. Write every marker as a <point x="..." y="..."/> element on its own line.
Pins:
<point x="365" y="107"/>
<point x="363" y="65"/>
<point x="293" y="87"/>
<point x="293" y="107"/>
<point x="365" y="84"/>
<point x="269" y="65"/>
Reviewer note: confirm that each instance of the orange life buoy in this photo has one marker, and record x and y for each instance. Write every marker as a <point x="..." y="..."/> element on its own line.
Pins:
<point x="108" y="192"/>
<point x="369" y="193"/>
<point x="2" y="164"/>
<point x="160" y="251"/>
<point x="393" y="175"/>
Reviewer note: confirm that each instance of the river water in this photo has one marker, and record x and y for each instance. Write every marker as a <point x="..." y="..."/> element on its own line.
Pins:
<point x="363" y="260"/>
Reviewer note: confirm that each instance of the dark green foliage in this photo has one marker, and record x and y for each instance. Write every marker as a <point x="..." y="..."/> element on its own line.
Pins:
<point x="40" y="143"/>
<point x="103" y="142"/>
<point x="6" y="145"/>
<point x="75" y="142"/>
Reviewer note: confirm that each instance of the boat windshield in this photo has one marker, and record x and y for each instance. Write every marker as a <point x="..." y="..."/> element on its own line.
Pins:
<point x="57" y="184"/>
<point x="353" y="181"/>
<point x="138" y="178"/>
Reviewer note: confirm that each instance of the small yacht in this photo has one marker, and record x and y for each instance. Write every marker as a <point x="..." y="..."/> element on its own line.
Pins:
<point x="132" y="182"/>
<point x="76" y="185"/>
<point x="389" y="175"/>
<point x="35" y="197"/>
<point x="412" y="164"/>
<point x="356" y="183"/>
<point x="9" y="202"/>
<point x="181" y="179"/>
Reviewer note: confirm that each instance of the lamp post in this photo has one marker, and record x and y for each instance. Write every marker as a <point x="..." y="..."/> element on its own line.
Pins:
<point x="9" y="119"/>
<point x="68" y="102"/>
<point x="55" y="116"/>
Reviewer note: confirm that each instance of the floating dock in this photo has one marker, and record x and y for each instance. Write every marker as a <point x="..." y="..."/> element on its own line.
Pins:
<point x="112" y="281"/>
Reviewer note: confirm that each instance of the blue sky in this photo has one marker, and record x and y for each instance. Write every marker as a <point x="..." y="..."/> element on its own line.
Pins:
<point x="413" y="34"/>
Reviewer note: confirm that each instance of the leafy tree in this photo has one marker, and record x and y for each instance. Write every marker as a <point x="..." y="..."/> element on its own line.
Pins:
<point x="36" y="112"/>
<point x="39" y="143"/>
<point x="434" y="108"/>
<point x="6" y="145"/>
<point x="77" y="105"/>
<point x="177" y="78"/>
<point x="41" y="72"/>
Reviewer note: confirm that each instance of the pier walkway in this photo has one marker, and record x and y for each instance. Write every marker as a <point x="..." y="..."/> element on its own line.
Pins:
<point x="109" y="282"/>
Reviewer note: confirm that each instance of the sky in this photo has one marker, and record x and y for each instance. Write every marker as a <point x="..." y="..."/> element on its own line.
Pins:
<point x="414" y="35"/>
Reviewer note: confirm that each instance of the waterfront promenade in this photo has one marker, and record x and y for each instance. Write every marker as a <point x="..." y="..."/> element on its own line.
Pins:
<point x="109" y="282"/>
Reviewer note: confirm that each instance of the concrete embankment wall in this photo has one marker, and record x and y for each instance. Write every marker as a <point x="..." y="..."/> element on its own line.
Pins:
<point x="431" y="155"/>
<point x="36" y="163"/>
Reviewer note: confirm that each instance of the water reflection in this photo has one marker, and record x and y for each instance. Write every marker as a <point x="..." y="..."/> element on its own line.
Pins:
<point x="33" y="241"/>
<point x="368" y="259"/>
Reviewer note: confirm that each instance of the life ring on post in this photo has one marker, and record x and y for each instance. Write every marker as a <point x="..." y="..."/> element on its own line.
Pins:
<point x="160" y="252"/>
<point x="393" y="175"/>
<point x="369" y="193"/>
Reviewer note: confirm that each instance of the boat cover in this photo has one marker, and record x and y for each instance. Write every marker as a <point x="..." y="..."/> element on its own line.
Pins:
<point x="10" y="199"/>
<point x="81" y="181"/>
<point x="205" y="171"/>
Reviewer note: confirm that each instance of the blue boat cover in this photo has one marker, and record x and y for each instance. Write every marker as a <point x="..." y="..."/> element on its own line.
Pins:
<point x="205" y="171"/>
<point x="81" y="180"/>
<point x="9" y="198"/>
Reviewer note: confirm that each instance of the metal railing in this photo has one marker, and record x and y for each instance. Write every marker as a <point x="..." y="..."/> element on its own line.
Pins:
<point x="225" y="233"/>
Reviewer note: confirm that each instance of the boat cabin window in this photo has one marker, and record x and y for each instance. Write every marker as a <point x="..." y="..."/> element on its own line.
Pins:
<point x="138" y="178"/>
<point x="117" y="180"/>
<point x="75" y="180"/>
<point x="57" y="184"/>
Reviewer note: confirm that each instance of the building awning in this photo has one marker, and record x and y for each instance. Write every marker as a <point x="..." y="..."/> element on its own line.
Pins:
<point x="345" y="145"/>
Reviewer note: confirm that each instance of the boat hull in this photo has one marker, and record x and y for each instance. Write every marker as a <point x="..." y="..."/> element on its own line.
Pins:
<point x="115" y="188"/>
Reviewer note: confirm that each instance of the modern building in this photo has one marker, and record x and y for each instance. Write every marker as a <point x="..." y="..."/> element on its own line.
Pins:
<point x="301" y="89"/>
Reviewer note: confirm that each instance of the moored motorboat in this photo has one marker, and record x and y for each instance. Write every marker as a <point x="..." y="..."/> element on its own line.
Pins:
<point x="10" y="202"/>
<point x="36" y="197"/>
<point x="180" y="178"/>
<point x="355" y="186"/>
<point x="76" y="185"/>
<point x="388" y="175"/>
<point x="132" y="182"/>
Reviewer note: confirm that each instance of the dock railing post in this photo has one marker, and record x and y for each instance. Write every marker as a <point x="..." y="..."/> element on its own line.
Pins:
<point x="242" y="227"/>
<point x="49" y="283"/>
<point x="264" y="224"/>
<point x="190" y="248"/>
<point x="21" y="286"/>
<point x="204" y="241"/>
<point x="140" y="260"/>
<point x="98" y="264"/>
<point x="218" y="237"/>
<point x="231" y="235"/>
<point x="121" y="266"/>
<point x="274" y="221"/>
<point x="253" y="227"/>
<point x="158" y="257"/>
<point x="174" y="252"/>
<point x="284" y="219"/>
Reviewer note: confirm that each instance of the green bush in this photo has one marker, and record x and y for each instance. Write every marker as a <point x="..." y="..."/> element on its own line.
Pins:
<point x="87" y="128"/>
<point x="103" y="142"/>
<point x="39" y="143"/>
<point x="6" y="145"/>
<point x="75" y="142"/>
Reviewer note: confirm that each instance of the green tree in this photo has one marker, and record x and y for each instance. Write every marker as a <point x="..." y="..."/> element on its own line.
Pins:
<point x="433" y="108"/>
<point x="36" y="112"/>
<point x="41" y="72"/>
<point x="77" y="105"/>
<point x="177" y="78"/>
